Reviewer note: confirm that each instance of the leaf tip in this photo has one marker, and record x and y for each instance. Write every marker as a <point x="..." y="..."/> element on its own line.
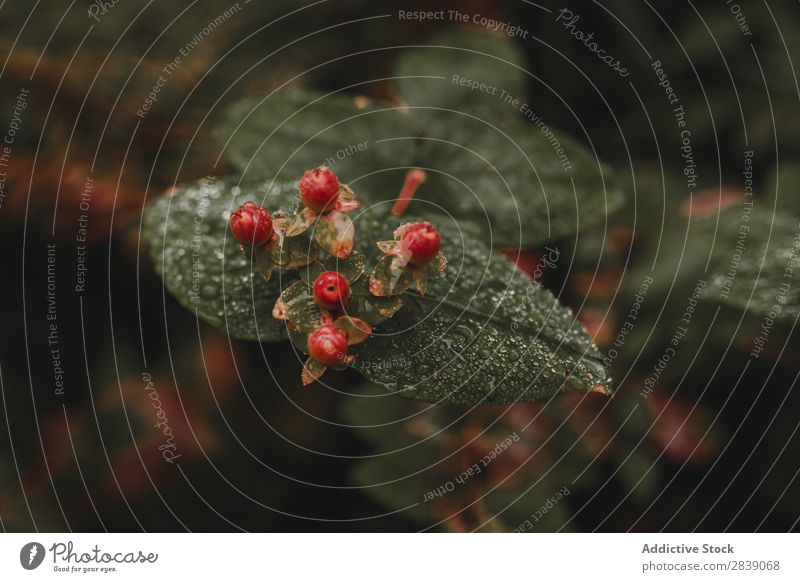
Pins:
<point x="601" y="389"/>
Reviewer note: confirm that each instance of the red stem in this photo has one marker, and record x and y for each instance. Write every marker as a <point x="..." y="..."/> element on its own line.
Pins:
<point x="414" y="179"/>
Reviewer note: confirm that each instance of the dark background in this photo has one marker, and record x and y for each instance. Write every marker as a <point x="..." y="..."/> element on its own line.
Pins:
<point x="714" y="451"/>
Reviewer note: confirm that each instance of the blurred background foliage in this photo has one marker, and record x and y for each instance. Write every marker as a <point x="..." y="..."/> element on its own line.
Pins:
<point x="712" y="447"/>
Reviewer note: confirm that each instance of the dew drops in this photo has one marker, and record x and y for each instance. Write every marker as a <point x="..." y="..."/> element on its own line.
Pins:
<point x="198" y="255"/>
<point x="463" y="350"/>
<point x="208" y="292"/>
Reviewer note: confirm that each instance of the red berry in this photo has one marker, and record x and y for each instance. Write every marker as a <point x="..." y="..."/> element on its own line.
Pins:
<point x="331" y="290"/>
<point x="422" y="241"/>
<point x="327" y="345"/>
<point x="319" y="189"/>
<point x="251" y="224"/>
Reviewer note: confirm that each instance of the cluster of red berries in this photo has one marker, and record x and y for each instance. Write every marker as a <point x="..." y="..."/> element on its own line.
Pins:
<point x="252" y="225"/>
<point x="319" y="307"/>
<point x="327" y="345"/>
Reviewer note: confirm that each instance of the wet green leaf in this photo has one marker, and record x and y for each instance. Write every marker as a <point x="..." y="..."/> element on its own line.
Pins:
<point x="389" y="277"/>
<point x="334" y="232"/>
<point x="293" y="131"/>
<point x="296" y="305"/>
<point x="441" y="74"/>
<point x="292" y="293"/>
<point x="372" y="309"/>
<point x="293" y="252"/>
<point x="755" y="261"/>
<point x="191" y="246"/>
<point x="351" y="268"/>
<point x="491" y="162"/>
<point x="482" y="334"/>
<point x="779" y="189"/>
<point x="523" y="185"/>
<point x="357" y="330"/>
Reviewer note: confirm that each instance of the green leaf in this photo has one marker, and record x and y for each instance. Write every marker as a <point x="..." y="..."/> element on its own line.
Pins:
<point x="496" y="161"/>
<point x="523" y="185"/>
<point x="779" y="189"/>
<point x="481" y="334"/>
<point x="755" y="261"/>
<point x="490" y="162"/>
<point x="297" y="306"/>
<point x="334" y="231"/>
<point x="201" y="264"/>
<point x="293" y="252"/>
<point x="389" y="278"/>
<point x="441" y="74"/>
<point x="352" y="268"/>
<point x="293" y="131"/>
<point x="372" y="309"/>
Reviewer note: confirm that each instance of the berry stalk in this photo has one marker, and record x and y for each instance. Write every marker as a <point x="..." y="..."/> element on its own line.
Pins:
<point x="414" y="179"/>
